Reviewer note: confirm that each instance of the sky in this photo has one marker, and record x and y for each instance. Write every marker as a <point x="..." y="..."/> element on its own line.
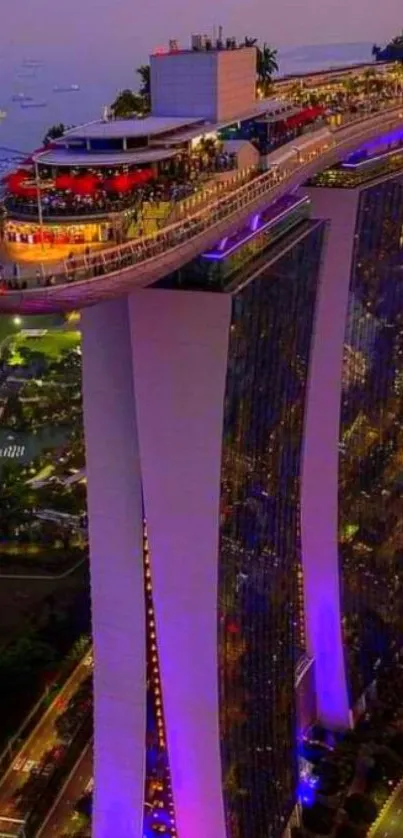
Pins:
<point x="77" y="29"/>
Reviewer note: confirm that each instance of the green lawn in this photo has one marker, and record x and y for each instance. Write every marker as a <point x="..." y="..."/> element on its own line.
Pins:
<point x="53" y="344"/>
<point x="8" y="326"/>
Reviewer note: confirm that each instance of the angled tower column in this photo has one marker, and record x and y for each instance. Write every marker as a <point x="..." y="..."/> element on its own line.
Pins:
<point x="116" y="551"/>
<point x="180" y="345"/>
<point x="319" y="493"/>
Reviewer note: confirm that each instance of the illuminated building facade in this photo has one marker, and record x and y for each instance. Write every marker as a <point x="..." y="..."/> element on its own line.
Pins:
<point x="216" y="474"/>
<point x="351" y="491"/>
<point x="260" y="551"/>
<point x="371" y="441"/>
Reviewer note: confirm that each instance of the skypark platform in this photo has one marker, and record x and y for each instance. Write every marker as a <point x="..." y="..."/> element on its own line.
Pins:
<point x="142" y="262"/>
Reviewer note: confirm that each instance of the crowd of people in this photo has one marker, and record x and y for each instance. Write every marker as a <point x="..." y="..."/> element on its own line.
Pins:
<point x="176" y="180"/>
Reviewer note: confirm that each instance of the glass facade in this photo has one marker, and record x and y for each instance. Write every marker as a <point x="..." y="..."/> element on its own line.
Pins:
<point x="371" y="441"/>
<point x="358" y="170"/>
<point x="219" y="268"/>
<point x="260" y="616"/>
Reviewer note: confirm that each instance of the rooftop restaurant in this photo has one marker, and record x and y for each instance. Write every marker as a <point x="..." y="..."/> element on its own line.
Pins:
<point x="113" y="180"/>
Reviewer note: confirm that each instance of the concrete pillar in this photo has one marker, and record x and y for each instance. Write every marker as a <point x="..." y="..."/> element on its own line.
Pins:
<point x="180" y="346"/>
<point x="320" y="469"/>
<point x="116" y="553"/>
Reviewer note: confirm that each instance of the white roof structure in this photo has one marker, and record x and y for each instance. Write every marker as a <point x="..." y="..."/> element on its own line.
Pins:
<point x="66" y="157"/>
<point x="136" y="127"/>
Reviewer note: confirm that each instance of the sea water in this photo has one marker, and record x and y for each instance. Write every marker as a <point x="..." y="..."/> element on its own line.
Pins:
<point x="23" y="129"/>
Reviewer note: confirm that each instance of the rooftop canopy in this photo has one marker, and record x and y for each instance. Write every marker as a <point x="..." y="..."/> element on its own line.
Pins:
<point x="66" y="157"/>
<point x="119" y="128"/>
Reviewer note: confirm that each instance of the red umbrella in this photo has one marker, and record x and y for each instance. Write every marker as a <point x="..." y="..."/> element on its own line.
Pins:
<point x="16" y="184"/>
<point x="121" y="183"/>
<point x="144" y="175"/>
<point x="85" y="184"/>
<point x="64" y="182"/>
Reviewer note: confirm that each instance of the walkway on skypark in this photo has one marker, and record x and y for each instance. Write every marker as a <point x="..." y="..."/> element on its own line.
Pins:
<point x="142" y="261"/>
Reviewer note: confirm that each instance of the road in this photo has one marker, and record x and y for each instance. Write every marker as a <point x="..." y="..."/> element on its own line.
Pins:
<point x="390" y="823"/>
<point x="43" y="737"/>
<point x="61" y="818"/>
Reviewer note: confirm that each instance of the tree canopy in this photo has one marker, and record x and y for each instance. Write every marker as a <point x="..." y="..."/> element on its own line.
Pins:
<point x="134" y="103"/>
<point x="266" y="63"/>
<point x="54" y="132"/>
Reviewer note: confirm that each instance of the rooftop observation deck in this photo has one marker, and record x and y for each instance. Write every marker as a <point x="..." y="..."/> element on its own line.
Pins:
<point x="138" y="263"/>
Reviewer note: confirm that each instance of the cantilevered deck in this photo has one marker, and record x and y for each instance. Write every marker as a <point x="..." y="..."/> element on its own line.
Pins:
<point x="140" y="263"/>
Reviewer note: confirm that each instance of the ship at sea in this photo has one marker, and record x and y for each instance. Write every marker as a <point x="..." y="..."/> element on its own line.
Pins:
<point x="69" y="88"/>
<point x="32" y="63"/>
<point x="21" y="97"/>
<point x="33" y="104"/>
<point x="26" y="74"/>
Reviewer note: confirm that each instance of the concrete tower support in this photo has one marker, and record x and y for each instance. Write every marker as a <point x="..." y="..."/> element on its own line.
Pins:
<point x="154" y="382"/>
<point x="320" y="473"/>
<point x="180" y="345"/>
<point x="116" y="548"/>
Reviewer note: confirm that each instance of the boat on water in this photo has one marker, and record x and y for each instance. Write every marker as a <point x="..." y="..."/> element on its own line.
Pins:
<point x="33" y="104"/>
<point x="33" y="63"/>
<point x="3" y="114"/>
<point x="69" y="88"/>
<point x="26" y="74"/>
<point x="21" y="97"/>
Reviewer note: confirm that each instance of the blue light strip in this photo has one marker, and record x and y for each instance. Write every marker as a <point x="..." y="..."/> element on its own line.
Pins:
<point x="260" y="225"/>
<point x="393" y="136"/>
<point x="369" y="160"/>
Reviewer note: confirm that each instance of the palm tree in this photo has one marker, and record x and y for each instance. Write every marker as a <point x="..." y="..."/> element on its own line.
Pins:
<point x="351" y="88"/>
<point x="266" y="62"/>
<point x="145" y="84"/>
<point x="266" y="66"/>
<point x="369" y="76"/>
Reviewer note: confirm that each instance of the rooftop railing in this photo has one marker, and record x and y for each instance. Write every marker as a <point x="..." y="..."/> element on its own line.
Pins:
<point x="141" y="251"/>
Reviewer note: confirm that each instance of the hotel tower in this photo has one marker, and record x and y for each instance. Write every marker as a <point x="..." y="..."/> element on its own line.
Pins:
<point x="244" y="447"/>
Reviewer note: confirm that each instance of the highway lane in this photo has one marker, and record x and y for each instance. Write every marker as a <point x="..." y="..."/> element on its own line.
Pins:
<point x="61" y="818"/>
<point x="42" y="739"/>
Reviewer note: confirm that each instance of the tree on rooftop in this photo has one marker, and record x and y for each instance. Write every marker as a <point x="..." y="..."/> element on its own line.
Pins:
<point x="145" y="84"/>
<point x="127" y="104"/>
<point x="267" y="66"/>
<point x="54" y="132"/>
<point x="266" y="63"/>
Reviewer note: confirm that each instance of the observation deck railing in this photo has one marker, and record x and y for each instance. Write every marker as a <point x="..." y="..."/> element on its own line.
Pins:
<point x="297" y="167"/>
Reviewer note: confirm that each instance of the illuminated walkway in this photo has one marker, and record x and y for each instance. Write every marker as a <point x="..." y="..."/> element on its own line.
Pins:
<point x="141" y="262"/>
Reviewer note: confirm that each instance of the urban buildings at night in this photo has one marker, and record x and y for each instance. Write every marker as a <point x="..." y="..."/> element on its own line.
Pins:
<point x="241" y="383"/>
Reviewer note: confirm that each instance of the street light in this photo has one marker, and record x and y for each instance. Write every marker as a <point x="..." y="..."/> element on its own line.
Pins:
<point x="17" y="321"/>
